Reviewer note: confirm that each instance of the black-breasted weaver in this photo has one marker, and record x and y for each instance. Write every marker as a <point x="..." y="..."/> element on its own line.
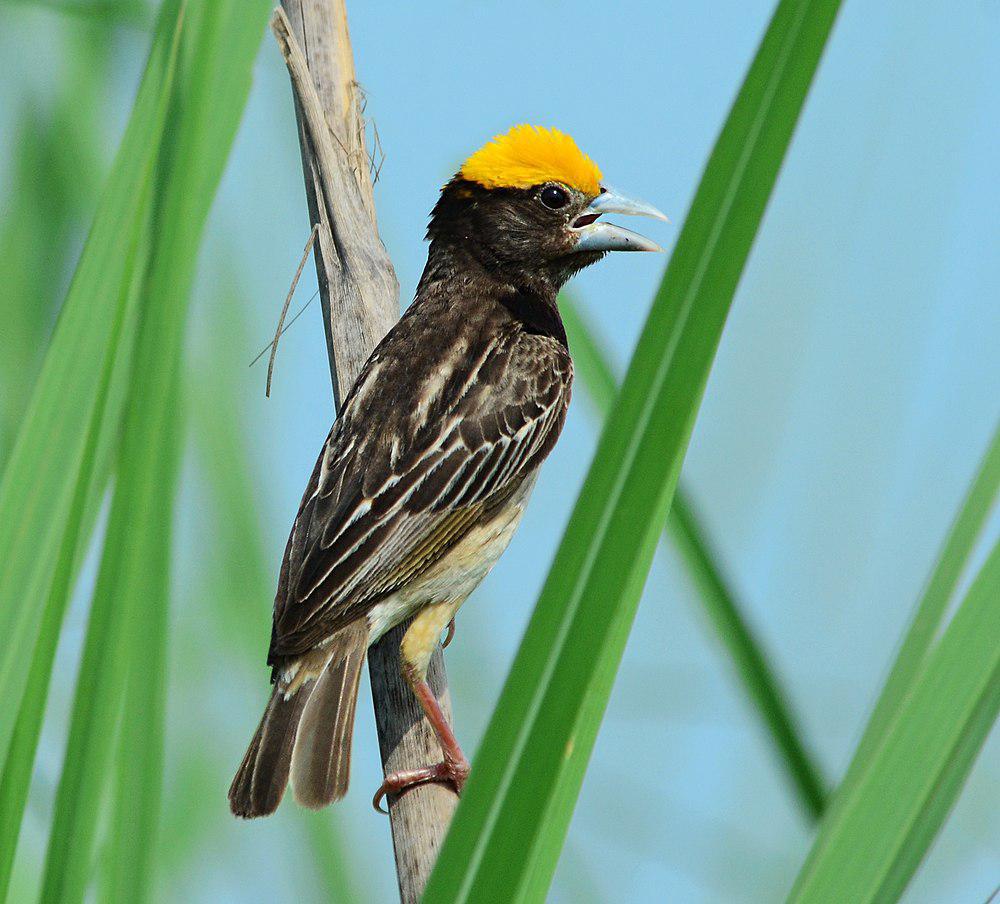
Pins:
<point x="425" y="474"/>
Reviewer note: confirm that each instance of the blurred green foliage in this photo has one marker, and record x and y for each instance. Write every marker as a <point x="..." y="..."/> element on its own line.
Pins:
<point x="96" y="399"/>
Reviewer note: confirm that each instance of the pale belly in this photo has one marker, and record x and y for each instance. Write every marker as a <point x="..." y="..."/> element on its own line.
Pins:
<point x="456" y="575"/>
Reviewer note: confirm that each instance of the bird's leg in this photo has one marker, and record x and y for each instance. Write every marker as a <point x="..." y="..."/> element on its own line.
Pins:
<point x="454" y="768"/>
<point x="418" y="644"/>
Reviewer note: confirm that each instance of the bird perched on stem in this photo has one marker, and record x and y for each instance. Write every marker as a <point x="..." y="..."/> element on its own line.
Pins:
<point x="426" y="472"/>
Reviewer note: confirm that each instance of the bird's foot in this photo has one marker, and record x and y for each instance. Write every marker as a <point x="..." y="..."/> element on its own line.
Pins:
<point x="450" y="636"/>
<point x="453" y="771"/>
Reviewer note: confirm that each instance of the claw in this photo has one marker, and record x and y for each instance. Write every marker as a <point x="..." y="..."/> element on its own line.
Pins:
<point x="454" y="768"/>
<point x="454" y="773"/>
<point x="450" y="636"/>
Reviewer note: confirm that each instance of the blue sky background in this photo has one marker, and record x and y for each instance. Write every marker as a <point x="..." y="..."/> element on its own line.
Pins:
<point x="854" y="391"/>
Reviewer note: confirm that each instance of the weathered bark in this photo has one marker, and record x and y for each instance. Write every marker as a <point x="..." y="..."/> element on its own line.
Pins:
<point x="359" y="293"/>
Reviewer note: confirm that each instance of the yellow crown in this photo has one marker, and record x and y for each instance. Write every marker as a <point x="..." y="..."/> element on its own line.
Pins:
<point x="530" y="155"/>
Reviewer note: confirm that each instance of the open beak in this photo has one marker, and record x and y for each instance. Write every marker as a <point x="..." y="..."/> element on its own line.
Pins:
<point x="595" y="236"/>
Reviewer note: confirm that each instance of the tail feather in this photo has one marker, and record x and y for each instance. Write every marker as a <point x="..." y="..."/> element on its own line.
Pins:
<point x="306" y="734"/>
<point x="321" y="761"/>
<point x="261" y="780"/>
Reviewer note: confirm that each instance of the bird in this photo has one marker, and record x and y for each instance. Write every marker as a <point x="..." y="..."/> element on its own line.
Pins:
<point x="425" y="474"/>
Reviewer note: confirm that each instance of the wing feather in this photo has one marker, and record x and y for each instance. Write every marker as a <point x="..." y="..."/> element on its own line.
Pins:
<point x="411" y="464"/>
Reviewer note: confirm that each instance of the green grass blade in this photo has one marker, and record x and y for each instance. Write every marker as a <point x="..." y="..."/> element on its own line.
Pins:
<point x="144" y="495"/>
<point x="755" y="673"/>
<point x="745" y="650"/>
<point x="32" y="246"/>
<point x="93" y="725"/>
<point x="513" y="817"/>
<point x="954" y="557"/>
<point x="872" y="844"/>
<point x="221" y="43"/>
<point x="124" y="652"/>
<point x="92" y="731"/>
<point x="913" y="655"/>
<point x="41" y="473"/>
<point x="54" y="187"/>
<point x="55" y="183"/>
<point x="20" y="759"/>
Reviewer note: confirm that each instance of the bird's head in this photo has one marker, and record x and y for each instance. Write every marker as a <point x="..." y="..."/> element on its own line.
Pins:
<point x="529" y="202"/>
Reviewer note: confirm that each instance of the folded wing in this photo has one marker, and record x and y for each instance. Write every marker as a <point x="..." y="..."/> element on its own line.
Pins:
<point x="405" y="473"/>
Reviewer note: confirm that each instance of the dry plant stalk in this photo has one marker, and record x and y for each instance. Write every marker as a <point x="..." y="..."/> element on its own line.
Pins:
<point x="359" y="291"/>
<point x="279" y="330"/>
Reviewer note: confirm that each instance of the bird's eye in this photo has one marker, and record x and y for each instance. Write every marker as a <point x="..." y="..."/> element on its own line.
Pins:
<point x="554" y="197"/>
